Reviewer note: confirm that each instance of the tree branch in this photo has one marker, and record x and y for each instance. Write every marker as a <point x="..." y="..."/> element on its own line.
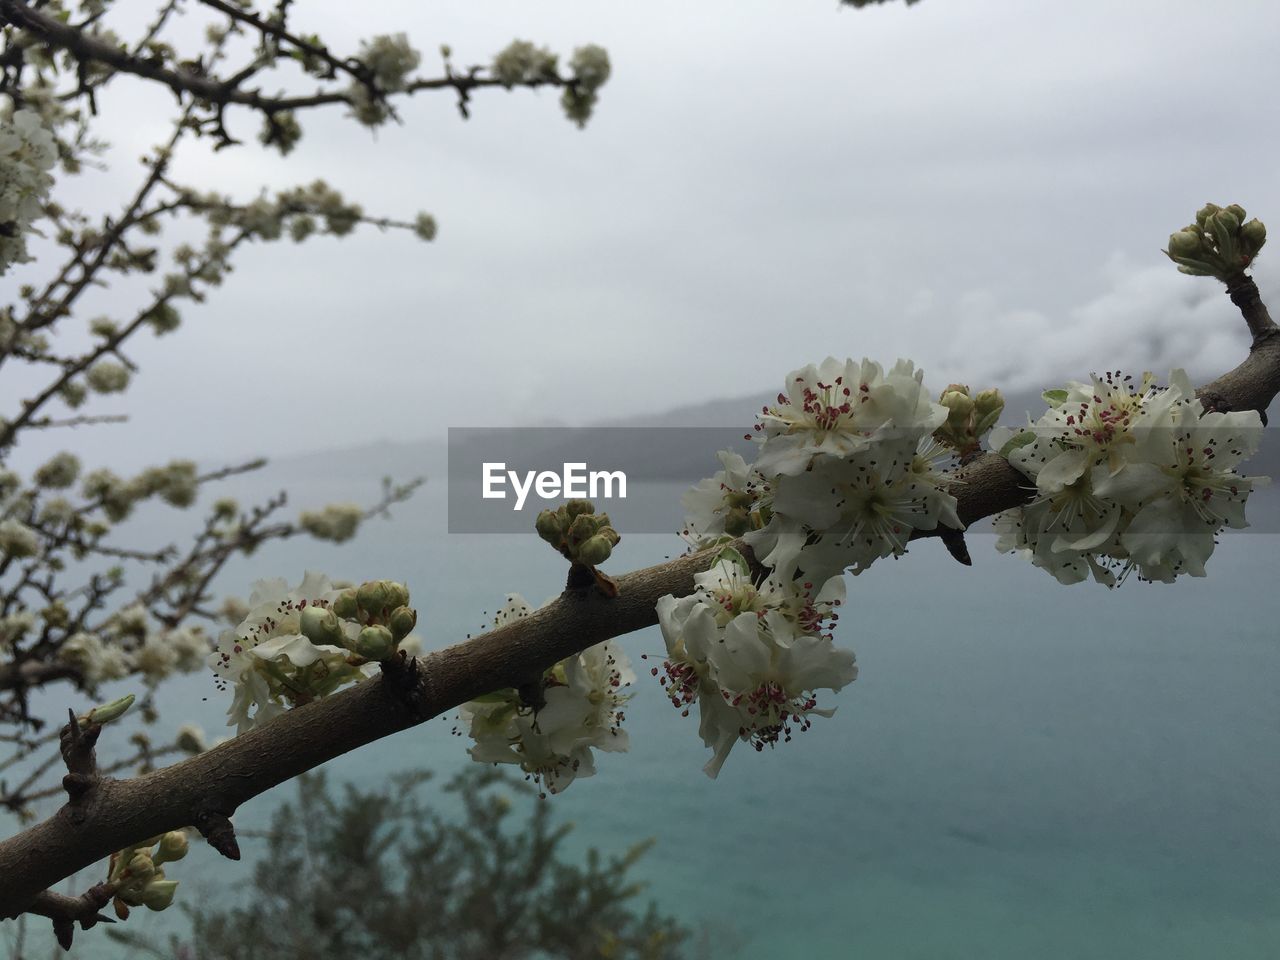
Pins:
<point x="212" y="89"/>
<point x="206" y="789"/>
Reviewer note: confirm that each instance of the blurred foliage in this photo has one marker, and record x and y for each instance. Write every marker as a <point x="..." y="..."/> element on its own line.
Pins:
<point x="375" y="874"/>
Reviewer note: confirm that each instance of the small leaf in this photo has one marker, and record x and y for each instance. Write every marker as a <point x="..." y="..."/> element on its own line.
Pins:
<point x="734" y="557"/>
<point x="1017" y="442"/>
<point x="1055" y="398"/>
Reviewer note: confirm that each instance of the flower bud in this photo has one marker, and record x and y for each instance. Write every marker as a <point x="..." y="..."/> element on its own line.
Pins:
<point x="402" y="622"/>
<point x="173" y="847"/>
<point x="373" y="597"/>
<point x="582" y="529"/>
<point x="320" y="625"/>
<point x="345" y="605"/>
<point x="397" y="594"/>
<point x="1205" y="212"/>
<point x="375" y="643"/>
<point x="988" y="405"/>
<point x="158" y="894"/>
<point x="959" y="404"/>
<point x="575" y="508"/>
<point x="1184" y="243"/>
<point x="1254" y="235"/>
<point x="108" y="711"/>
<point x="141" y="867"/>
<point x="549" y="527"/>
<point x="595" y="550"/>
<point x="1236" y="211"/>
<point x="1224" y="224"/>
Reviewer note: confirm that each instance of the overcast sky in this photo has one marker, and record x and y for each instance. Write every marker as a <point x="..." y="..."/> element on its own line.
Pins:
<point x="981" y="185"/>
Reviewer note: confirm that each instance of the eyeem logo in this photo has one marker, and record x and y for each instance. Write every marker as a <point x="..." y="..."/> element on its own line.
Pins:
<point x="573" y="481"/>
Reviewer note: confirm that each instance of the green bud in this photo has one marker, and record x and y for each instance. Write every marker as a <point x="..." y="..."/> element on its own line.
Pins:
<point x="373" y="597"/>
<point x="549" y="527"/>
<point x="988" y="405"/>
<point x="402" y="622"/>
<point x="320" y="625"/>
<point x="988" y="400"/>
<point x="1236" y="211"/>
<point x="375" y="643"/>
<point x="345" y="604"/>
<point x="1184" y="243"/>
<point x="737" y="521"/>
<point x="575" y="508"/>
<point x="1205" y="212"/>
<point x="1224" y="224"/>
<point x="158" y="894"/>
<point x="141" y="867"/>
<point x="583" y="528"/>
<point x="959" y="404"/>
<point x="595" y="551"/>
<point x="173" y="847"/>
<point x="1254" y="235"/>
<point x="108" y="711"/>
<point x="397" y="594"/>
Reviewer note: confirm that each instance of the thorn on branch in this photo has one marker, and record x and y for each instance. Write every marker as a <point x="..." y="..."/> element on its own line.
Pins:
<point x="217" y="830"/>
<point x="77" y="747"/>
<point x="953" y="540"/>
<point x="401" y="675"/>
<point x="66" y="912"/>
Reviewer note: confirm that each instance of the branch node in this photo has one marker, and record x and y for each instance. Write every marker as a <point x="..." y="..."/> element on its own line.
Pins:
<point x="76" y="744"/>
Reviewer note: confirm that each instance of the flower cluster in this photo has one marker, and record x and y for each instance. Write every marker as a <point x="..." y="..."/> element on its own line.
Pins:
<point x="728" y="504"/>
<point x="1127" y="476"/>
<point x="389" y="60"/>
<point x="590" y="65"/>
<point x="522" y="62"/>
<point x="849" y="456"/>
<point x="337" y="522"/>
<point x="1221" y="243"/>
<point x="848" y="466"/>
<point x="136" y="874"/>
<point x="751" y="657"/>
<point x="121" y="649"/>
<point x="578" y="533"/>
<point x="302" y="643"/>
<point x="551" y="731"/>
<point x="27" y="154"/>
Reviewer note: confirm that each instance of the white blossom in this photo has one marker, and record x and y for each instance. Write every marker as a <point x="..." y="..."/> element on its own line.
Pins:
<point x="27" y="153"/>
<point x="839" y="408"/>
<point x="268" y="662"/>
<point x="1128" y="477"/>
<point x="17" y="539"/>
<point x="15" y="626"/>
<point x="522" y="62"/>
<point x="96" y="660"/>
<point x="581" y="710"/>
<point x="736" y="499"/>
<point x="846" y="513"/>
<point x="751" y="658"/>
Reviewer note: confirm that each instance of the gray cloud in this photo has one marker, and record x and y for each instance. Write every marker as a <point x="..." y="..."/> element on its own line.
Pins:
<point x="982" y="186"/>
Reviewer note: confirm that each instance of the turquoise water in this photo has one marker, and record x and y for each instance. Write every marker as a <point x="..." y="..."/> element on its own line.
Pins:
<point x="1021" y="770"/>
